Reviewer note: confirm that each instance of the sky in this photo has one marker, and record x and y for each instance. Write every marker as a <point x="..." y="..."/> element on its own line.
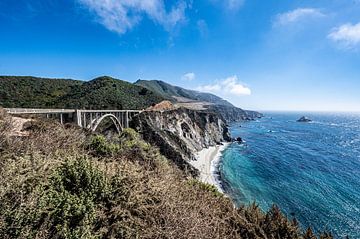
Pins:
<point x="299" y="55"/>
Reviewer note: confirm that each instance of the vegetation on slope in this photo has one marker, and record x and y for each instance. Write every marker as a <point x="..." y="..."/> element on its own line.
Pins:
<point x="108" y="93"/>
<point x="61" y="182"/>
<point x="27" y="92"/>
<point x="100" y="93"/>
<point x="169" y="91"/>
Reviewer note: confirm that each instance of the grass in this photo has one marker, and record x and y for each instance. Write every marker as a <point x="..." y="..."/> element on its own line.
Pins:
<point x="60" y="182"/>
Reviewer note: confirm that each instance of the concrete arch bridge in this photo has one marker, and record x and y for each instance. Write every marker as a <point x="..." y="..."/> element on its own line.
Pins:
<point x="89" y="119"/>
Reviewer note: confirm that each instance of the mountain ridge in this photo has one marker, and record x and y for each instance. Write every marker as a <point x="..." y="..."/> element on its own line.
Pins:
<point x="210" y="101"/>
<point x="170" y="91"/>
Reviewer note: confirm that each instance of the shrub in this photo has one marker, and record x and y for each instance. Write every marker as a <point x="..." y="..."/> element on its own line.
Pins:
<point x="101" y="147"/>
<point x="130" y="139"/>
<point x="70" y="201"/>
<point x="47" y="138"/>
<point x="206" y="187"/>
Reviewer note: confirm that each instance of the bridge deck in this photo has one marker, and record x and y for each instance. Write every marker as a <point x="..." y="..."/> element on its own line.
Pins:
<point x="62" y="111"/>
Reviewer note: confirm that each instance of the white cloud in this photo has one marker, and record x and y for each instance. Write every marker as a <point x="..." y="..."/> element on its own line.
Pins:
<point x="122" y="15"/>
<point x="230" y="4"/>
<point x="347" y="35"/>
<point x="226" y="86"/>
<point x="189" y="76"/>
<point x="297" y="15"/>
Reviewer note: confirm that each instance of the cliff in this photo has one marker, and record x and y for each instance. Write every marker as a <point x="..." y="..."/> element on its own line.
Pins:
<point x="182" y="132"/>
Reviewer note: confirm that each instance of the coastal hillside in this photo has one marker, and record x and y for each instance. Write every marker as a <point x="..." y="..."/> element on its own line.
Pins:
<point x="60" y="181"/>
<point x="100" y="93"/>
<point x="27" y="91"/>
<point x="192" y="99"/>
<point x="108" y="93"/>
<point x="178" y="94"/>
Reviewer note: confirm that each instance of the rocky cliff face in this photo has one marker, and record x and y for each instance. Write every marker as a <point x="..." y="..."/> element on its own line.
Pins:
<point x="180" y="133"/>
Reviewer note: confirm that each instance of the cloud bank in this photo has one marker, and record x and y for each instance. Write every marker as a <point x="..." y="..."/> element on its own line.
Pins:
<point x="347" y="35"/>
<point x="297" y="15"/>
<point x="226" y="86"/>
<point x="122" y="15"/>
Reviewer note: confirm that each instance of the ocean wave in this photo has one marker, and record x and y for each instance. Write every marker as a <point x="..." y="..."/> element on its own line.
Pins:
<point x="214" y="168"/>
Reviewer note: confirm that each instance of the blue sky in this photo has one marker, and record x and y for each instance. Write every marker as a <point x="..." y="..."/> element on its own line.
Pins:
<point x="262" y="55"/>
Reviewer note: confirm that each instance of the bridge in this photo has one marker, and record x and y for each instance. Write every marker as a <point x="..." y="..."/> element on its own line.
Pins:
<point x="89" y="119"/>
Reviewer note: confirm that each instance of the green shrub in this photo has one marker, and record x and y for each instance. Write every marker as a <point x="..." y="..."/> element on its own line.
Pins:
<point x="75" y="189"/>
<point x="206" y="187"/>
<point x="100" y="146"/>
<point x="131" y="139"/>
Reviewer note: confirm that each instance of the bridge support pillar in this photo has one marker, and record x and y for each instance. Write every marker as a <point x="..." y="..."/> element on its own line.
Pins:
<point x="78" y="118"/>
<point x="127" y="119"/>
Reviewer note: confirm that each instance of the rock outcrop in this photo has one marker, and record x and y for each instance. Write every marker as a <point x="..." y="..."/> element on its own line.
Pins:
<point x="180" y="133"/>
<point x="304" y="119"/>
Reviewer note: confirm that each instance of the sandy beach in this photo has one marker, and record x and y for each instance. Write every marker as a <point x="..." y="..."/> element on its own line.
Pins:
<point x="207" y="163"/>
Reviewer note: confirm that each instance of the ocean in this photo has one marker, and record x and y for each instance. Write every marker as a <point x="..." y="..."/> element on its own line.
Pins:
<point x="310" y="170"/>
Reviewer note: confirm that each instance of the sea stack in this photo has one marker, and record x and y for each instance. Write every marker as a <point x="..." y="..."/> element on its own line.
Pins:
<point x="239" y="140"/>
<point x="304" y="119"/>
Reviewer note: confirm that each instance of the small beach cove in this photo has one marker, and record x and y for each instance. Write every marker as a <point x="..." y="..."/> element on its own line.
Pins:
<point x="207" y="161"/>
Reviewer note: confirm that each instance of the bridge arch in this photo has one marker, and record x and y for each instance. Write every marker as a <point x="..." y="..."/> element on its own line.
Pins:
<point x="95" y="123"/>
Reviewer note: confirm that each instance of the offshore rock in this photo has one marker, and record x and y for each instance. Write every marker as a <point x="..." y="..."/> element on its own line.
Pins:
<point x="182" y="132"/>
<point x="304" y="119"/>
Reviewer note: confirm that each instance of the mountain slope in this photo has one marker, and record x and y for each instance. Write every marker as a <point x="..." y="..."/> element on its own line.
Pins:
<point x="27" y="91"/>
<point x="100" y="93"/>
<point x="109" y="93"/>
<point x="180" y="95"/>
<point x="175" y="92"/>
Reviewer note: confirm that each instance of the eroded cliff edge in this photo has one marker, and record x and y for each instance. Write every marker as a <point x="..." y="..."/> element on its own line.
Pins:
<point x="180" y="133"/>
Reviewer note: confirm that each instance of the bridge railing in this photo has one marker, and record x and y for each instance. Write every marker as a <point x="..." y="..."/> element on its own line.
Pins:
<point x="38" y="111"/>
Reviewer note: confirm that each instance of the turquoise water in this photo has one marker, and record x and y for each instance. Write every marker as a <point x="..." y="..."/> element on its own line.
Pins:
<point x="311" y="170"/>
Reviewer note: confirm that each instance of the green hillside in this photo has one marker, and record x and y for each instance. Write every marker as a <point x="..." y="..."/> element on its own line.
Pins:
<point x="109" y="93"/>
<point x="169" y="91"/>
<point x="27" y="91"/>
<point x="100" y="93"/>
